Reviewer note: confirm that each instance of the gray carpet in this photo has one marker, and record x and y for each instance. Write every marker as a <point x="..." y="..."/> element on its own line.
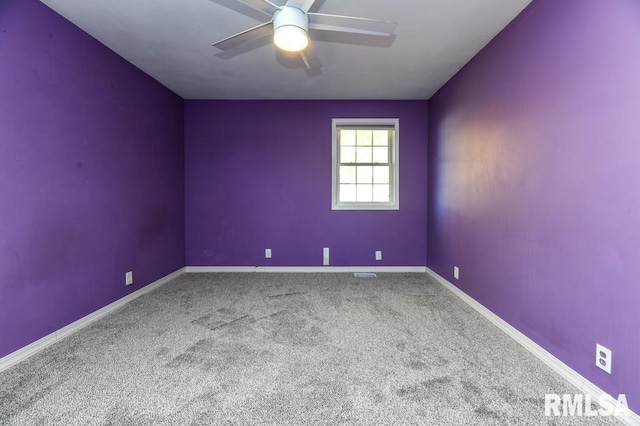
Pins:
<point x="286" y="349"/>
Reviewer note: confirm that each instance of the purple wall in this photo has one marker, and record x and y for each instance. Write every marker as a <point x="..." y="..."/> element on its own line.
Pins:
<point x="258" y="175"/>
<point x="91" y="175"/>
<point x="534" y="182"/>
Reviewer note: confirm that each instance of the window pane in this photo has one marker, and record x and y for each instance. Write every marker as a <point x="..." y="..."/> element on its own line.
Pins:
<point x="364" y="155"/>
<point x="365" y="193"/>
<point x="348" y="154"/>
<point x="347" y="174"/>
<point x="381" y="193"/>
<point x="347" y="137"/>
<point x="347" y="193"/>
<point x="381" y="137"/>
<point x="381" y="154"/>
<point x="365" y="137"/>
<point x="365" y="174"/>
<point x="381" y="174"/>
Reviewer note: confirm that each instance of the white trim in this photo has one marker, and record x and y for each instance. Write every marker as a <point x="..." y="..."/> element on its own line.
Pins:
<point x="558" y="366"/>
<point x="201" y="269"/>
<point x="308" y="269"/>
<point x="40" y="344"/>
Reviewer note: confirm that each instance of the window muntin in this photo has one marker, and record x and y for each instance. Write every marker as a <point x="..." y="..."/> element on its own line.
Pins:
<point x="365" y="166"/>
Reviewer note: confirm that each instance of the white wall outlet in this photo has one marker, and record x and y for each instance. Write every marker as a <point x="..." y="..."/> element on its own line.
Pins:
<point x="456" y="272"/>
<point x="603" y="358"/>
<point x="325" y="256"/>
<point x="128" y="278"/>
<point x="267" y="253"/>
<point x="378" y="255"/>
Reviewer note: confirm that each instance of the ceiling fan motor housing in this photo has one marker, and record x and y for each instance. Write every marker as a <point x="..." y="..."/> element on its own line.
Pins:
<point x="290" y="17"/>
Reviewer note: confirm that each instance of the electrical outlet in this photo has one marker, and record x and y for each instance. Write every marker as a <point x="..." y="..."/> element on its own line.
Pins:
<point x="128" y="278"/>
<point x="267" y="253"/>
<point x="325" y="256"/>
<point x="456" y="272"/>
<point x="378" y="255"/>
<point x="603" y="358"/>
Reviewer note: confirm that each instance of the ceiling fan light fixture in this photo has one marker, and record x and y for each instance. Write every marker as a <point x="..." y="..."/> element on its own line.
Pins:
<point x="291" y="39"/>
<point x="290" y="27"/>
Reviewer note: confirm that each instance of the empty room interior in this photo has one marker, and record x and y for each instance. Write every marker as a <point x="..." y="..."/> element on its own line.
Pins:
<point x="319" y="212"/>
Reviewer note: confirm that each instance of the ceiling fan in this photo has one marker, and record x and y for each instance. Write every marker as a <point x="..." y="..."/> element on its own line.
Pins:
<point x="290" y="25"/>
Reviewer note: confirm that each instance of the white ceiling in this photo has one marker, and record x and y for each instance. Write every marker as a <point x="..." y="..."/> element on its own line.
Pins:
<point x="171" y="41"/>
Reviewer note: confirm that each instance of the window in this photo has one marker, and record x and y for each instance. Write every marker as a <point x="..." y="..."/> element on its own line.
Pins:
<point x="365" y="164"/>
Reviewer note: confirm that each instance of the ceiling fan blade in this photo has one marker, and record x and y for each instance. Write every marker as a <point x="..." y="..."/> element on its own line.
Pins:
<point x="254" y="33"/>
<point x="262" y="5"/>
<point x="311" y="58"/>
<point x="350" y="24"/>
<point x="303" y="5"/>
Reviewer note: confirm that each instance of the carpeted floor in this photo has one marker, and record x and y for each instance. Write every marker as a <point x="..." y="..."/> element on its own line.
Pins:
<point x="286" y="349"/>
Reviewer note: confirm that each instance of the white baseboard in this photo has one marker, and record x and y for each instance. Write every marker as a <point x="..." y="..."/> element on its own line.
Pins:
<point x="558" y="366"/>
<point x="40" y="344"/>
<point x="308" y="269"/>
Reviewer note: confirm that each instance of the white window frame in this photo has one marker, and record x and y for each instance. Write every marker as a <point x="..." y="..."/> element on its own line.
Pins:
<point x="394" y="175"/>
